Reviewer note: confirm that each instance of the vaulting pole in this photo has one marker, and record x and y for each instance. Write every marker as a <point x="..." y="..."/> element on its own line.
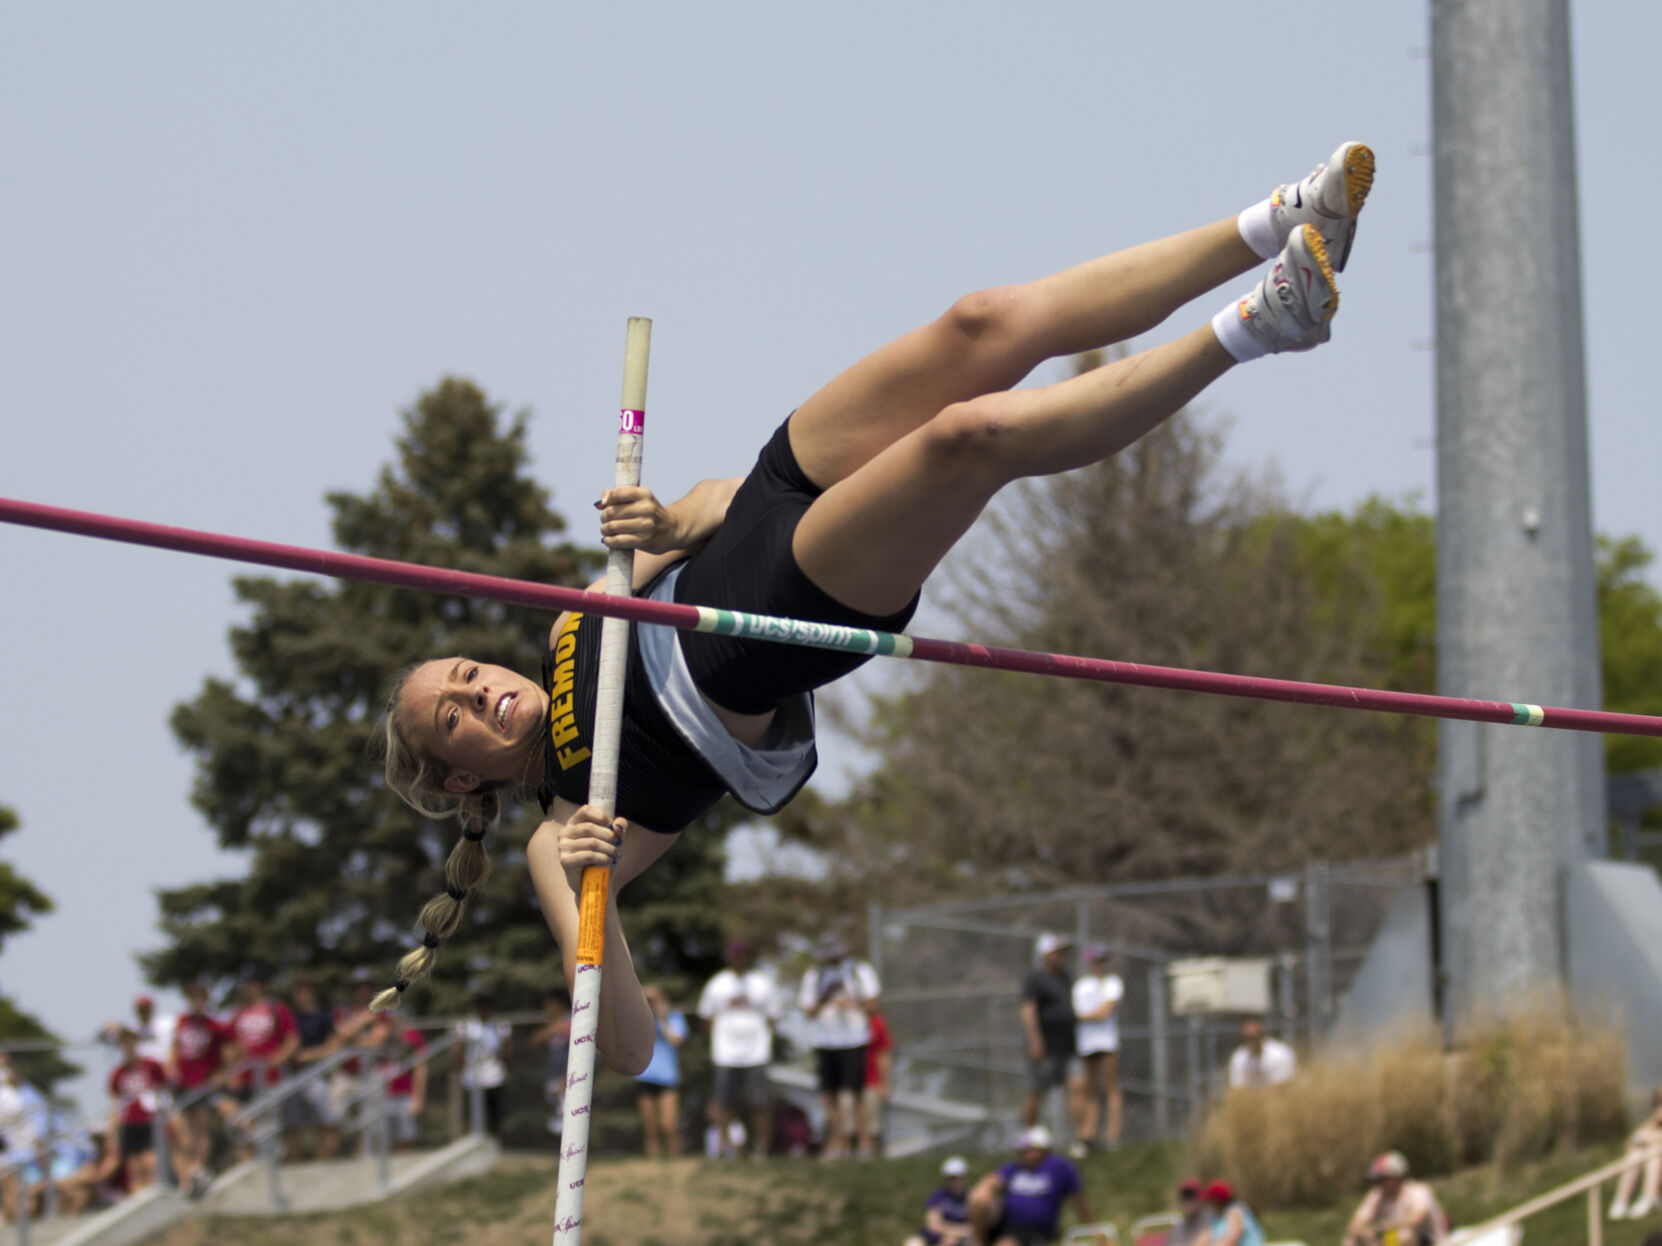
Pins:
<point x="603" y="764"/>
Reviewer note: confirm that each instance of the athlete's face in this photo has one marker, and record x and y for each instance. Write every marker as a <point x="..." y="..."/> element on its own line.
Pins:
<point x="481" y="721"/>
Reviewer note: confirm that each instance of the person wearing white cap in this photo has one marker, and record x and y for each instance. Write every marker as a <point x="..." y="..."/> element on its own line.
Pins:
<point x="1021" y="1203"/>
<point x="1047" y="1022"/>
<point x="838" y="996"/>
<point x="1096" y="999"/>
<point x="946" y="1214"/>
<point x="1396" y="1210"/>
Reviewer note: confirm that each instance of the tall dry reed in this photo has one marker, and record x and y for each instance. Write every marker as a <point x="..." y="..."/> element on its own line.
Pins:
<point x="1515" y="1088"/>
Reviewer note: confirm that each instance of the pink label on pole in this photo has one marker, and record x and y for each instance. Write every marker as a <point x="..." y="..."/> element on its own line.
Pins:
<point x="632" y="422"/>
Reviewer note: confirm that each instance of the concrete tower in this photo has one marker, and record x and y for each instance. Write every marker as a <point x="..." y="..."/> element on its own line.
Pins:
<point x="1516" y="608"/>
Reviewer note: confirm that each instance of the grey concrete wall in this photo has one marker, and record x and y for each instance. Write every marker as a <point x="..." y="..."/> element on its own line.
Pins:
<point x="1393" y="989"/>
<point x="1515" y="589"/>
<point x="1613" y="915"/>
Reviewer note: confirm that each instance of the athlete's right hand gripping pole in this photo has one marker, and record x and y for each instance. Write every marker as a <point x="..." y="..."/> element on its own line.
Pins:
<point x="597" y="879"/>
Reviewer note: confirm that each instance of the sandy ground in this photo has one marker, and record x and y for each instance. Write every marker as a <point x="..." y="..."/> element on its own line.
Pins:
<point x="687" y="1202"/>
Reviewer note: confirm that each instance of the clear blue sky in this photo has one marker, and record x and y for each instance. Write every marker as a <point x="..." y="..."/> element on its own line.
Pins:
<point x="237" y="239"/>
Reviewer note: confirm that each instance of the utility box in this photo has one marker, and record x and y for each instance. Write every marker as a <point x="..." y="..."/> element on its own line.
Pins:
<point x="1219" y="984"/>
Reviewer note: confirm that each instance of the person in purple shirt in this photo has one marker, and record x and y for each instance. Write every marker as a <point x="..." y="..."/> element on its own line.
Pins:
<point x="1021" y="1203"/>
<point x="946" y="1214"/>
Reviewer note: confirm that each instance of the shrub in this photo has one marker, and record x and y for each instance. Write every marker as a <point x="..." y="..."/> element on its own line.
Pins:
<point x="1515" y="1088"/>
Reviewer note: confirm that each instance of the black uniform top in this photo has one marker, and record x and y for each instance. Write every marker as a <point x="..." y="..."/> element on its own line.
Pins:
<point x="662" y="783"/>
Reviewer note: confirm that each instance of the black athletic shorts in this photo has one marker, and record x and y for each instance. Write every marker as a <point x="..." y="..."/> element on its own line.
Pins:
<point x="136" y="1139"/>
<point x="841" y="1068"/>
<point x="748" y="565"/>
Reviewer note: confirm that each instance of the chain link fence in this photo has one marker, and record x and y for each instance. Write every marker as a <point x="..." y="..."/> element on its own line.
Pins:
<point x="952" y="977"/>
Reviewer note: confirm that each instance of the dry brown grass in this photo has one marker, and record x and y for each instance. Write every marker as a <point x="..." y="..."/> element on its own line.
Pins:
<point x="1517" y="1088"/>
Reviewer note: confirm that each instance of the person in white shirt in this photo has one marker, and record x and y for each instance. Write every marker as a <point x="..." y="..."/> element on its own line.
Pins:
<point x="1096" y="1000"/>
<point x="838" y="996"/>
<point x="482" y="1055"/>
<point x="1260" y="1060"/>
<point x="740" y="1006"/>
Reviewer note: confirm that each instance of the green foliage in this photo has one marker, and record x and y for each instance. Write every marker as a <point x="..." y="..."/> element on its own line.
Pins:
<point x="20" y="902"/>
<point x="337" y="865"/>
<point x="1630" y="644"/>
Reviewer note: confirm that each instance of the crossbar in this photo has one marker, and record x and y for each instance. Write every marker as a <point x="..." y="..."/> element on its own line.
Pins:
<point x="814" y="635"/>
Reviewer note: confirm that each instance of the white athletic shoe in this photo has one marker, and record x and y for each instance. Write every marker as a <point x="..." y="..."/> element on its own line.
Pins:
<point x="1330" y="199"/>
<point x="1291" y="307"/>
<point x="1618" y="1210"/>
<point x="1641" y="1209"/>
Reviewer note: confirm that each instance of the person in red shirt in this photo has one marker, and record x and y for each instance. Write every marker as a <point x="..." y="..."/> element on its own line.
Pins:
<point x="875" y="1098"/>
<point x="197" y="1060"/>
<point x="362" y="1029"/>
<point x="406" y="1092"/>
<point x="136" y="1085"/>
<point x="263" y="1030"/>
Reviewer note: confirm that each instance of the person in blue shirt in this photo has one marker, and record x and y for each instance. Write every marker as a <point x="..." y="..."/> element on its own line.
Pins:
<point x="946" y="1214"/>
<point x="1021" y="1203"/>
<point x="1233" y="1223"/>
<point x="658" y="1088"/>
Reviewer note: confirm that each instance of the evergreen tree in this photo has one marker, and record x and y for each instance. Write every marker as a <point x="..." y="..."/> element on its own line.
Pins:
<point x="337" y="865"/>
<point x="20" y="903"/>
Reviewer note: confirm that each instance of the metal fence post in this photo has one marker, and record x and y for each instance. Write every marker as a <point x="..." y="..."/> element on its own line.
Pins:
<point x="165" y="1175"/>
<point x="1314" y="922"/>
<point x="475" y="1092"/>
<point x="383" y="1164"/>
<point x="874" y="938"/>
<point x="1159" y="1057"/>
<point x="1192" y="1053"/>
<point x="53" y="1123"/>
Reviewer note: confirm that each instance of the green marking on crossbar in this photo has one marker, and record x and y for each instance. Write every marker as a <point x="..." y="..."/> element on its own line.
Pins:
<point x="1526" y="715"/>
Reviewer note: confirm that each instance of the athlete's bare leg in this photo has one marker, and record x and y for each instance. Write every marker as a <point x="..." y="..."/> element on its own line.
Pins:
<point x="990" y="340"/>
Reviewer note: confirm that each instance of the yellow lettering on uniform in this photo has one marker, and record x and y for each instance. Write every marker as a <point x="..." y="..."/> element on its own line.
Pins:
<point x="563" y="674"/>
<point x="570" y="757"/>
<point x="564" y="731"/>
<point x="561" y="705"/>
<point x="562" y="722"/>
<point x="564" y="646"/>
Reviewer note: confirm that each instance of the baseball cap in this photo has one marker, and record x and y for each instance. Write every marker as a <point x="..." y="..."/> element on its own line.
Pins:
<point x="954" y="1166"/>
<point x="1051" y="942"/>
<point x="1220" y="1192"/>
<point x="144" y="1001"/>
<point x="1390" y="1164"/>
<point x="1033" y="1136"/>
<point x="1190" y="1186"/>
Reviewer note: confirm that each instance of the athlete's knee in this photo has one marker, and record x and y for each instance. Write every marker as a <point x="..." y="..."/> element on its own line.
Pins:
<point x="973" y="433"/>
<point x="986" y="315"/>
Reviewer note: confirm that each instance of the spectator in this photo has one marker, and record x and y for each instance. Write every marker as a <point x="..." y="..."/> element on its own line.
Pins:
<point x="1233" y="1223"/>
<point x="1047" y="1021"/>
<point x="657" y="1089"/>
<point x="1396" y="1210"/>
<point x="879" y="1082"/>
<point x="1096" y="999"/>
<point x="1647" y="1137"/>
<point x="136" y="1087"/>
<point x="97" y="1181"/>
<point x="364" y="1031"/>
<point x="406" y="1091"/>
<point x="1260" y="1061"/>
<point x="483" y="1056"/>
<point x="555" y="1035"/>
<point x="740" y="1005"/>
<point x="838" y="997"/>
<point x="155" y="1033"/>
<point x="946" y="1214"/>
<point x="1194" y="1228"/>
<point x="309" y="1107"/>
<point x="196" y="1061"/>
<point x="264" y="1033"/>
<point x="23" y="1113"/>
<point x="1021" y="1203"/>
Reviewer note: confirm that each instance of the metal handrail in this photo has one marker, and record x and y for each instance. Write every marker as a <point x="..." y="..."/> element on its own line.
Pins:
<point x="1588" y="1184"/>
<point x="293" y="1084"/>
<point x="441" y="1044"/>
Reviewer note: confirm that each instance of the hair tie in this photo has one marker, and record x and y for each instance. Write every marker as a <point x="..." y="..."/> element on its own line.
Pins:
<point x="456" y="893"/>
<point x="430" y="940"/>
<point x="477" y="837"/>
<point x="401" y="985"/>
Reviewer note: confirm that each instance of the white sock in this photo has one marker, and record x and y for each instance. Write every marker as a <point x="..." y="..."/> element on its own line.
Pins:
<point x="1257" y="226"/>
<point x="1233" y="335"/>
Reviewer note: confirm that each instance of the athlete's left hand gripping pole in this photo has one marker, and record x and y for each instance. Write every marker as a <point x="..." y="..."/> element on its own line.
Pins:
<point x="597" y="879"/>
